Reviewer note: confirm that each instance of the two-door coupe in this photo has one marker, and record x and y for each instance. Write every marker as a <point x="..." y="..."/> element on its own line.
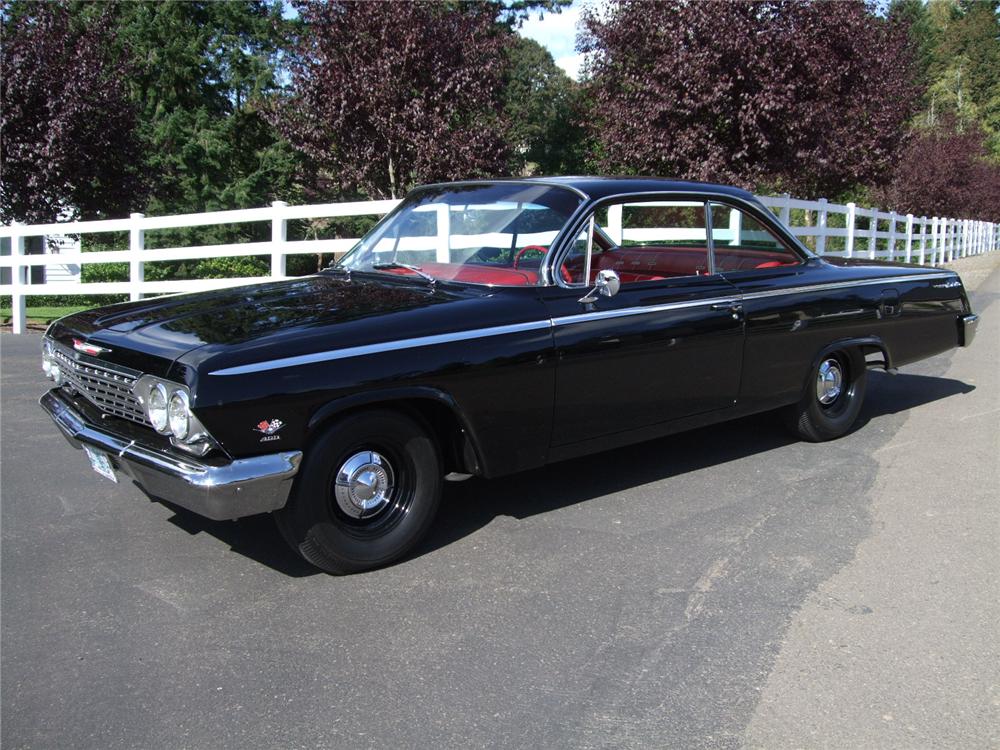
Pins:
<point x="483" y="328"/>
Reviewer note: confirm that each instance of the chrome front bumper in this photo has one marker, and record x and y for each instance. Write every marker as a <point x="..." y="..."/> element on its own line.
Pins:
<point x="967" y="328"/>
<point x="239" y="488"/>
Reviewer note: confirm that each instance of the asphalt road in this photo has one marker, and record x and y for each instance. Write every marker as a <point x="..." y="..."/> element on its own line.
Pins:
<point x="729" y="587"/>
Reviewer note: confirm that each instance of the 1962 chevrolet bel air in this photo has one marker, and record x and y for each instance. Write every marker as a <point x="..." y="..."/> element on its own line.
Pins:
<point x="483" y="328"/>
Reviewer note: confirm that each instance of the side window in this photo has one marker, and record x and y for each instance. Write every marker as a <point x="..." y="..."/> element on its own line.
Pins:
<point x="742" y="243"/>
<point x="642" y="242"/>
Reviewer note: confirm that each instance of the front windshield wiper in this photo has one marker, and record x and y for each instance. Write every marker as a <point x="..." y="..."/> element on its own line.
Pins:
<point x="396" y="264"/>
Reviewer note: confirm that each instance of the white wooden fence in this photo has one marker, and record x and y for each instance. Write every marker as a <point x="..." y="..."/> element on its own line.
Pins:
<point x="828" y="228"/>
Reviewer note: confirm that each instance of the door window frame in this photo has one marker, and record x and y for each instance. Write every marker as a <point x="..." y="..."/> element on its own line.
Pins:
<point x="578" y="223"/>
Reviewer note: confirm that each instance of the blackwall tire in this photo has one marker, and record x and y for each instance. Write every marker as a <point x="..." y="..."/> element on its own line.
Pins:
<point x="828" y="409"/>
<point x="367" y="492"/>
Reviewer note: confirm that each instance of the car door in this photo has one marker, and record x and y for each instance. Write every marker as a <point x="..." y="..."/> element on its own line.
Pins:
<point x="668" y="345"/>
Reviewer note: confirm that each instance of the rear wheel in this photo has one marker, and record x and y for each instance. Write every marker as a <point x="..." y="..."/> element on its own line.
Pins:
<point x="832" y="399"/>
<point x="368" y="490"/>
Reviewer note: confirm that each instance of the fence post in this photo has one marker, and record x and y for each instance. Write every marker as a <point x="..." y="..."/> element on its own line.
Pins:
<point x="892" y="237"/>
<point x="872" y="231"/>
<point x="136" y="269"/>
<point x="442" y="253"/>
<point x="821" y="227"/>
<point x="786" y="209"/>
<point x="17" y="279"/>
<point x="943" y="228"/>
<point x="850" y="220"/>
<point x="615" y="231"/>
<point x="279" y="235"/>
<point x="923" y="240"/>
<point x="909" y="237"/>
<point x="935" y="231"/>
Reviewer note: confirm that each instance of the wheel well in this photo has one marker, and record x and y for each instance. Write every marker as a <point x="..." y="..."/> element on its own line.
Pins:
<point x="458" y="453"/>
<point x="876" y="355"/>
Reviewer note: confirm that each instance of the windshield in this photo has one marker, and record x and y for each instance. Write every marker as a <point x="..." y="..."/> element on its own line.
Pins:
<point x="482" y="234"/>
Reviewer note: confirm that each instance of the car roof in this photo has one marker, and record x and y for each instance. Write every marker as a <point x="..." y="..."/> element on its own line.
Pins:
<point x="602" y="187"/>
<point x="596" y="188"/>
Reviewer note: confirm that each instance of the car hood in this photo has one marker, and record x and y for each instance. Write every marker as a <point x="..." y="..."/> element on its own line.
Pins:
<point x="169" y="327"/>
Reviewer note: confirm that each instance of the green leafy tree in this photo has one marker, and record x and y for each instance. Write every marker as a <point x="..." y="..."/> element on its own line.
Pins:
<point x="542" y="105"/>
<point x="202" y="71"/>
<point x="958" y="54"/>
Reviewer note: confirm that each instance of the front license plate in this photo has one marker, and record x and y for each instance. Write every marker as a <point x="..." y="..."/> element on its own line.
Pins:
<point x="101" y="463"/>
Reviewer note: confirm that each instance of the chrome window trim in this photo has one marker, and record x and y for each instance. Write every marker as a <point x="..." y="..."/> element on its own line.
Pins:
<point x="537" y="325"/>
<point x="560" y="246"/>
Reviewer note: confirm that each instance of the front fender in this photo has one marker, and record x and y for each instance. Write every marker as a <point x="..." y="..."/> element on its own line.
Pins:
<point x="414" y="399"/>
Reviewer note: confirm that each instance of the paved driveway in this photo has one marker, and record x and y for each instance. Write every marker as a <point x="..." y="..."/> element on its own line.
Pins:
<point x="647" y="597"/>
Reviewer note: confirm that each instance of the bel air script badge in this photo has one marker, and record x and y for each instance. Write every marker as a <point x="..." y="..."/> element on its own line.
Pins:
<point x="268" y="429"/>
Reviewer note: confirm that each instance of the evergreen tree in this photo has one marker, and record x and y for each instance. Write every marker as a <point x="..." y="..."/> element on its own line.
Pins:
<point x="543" y="107"/>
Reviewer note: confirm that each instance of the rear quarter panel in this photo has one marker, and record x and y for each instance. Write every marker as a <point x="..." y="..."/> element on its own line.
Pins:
<point x="792" y="314"/>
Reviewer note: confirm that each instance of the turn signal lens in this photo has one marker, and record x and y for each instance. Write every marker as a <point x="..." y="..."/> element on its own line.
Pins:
<point x="156" y="408"/>
<point x="179" y="416"/>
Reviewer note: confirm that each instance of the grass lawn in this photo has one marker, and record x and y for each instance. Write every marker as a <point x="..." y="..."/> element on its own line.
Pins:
<point x="40" y="314"/>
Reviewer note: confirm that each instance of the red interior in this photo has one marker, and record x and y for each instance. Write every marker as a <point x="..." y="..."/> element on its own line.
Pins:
<point x="651" y="263"/>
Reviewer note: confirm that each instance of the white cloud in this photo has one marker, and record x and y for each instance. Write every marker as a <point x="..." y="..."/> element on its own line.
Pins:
<point x="571" y="64"/>
<point x="557" y="33"/>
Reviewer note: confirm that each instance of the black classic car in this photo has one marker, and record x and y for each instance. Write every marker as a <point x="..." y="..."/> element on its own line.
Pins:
<point x="483" y="328"/>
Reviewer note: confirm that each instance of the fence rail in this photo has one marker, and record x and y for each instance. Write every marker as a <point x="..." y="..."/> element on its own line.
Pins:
<point x="828" y="228"/>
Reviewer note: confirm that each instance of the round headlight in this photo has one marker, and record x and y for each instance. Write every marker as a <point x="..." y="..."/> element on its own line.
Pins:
<point x="179" y="415"/>
<point x="156" y="408"/>
<point x="47" y="367"/>
<point x="55" y="373"/>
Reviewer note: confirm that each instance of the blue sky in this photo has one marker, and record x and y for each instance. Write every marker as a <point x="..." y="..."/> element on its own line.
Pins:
<point x="557" y="33"/>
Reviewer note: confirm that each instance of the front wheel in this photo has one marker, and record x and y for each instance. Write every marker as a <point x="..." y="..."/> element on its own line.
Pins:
<point x="832" y="399"/>
<point x="368" y="490"/>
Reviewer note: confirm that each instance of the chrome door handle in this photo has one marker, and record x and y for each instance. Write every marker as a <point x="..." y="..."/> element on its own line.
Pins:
<point x="734" y="307"/>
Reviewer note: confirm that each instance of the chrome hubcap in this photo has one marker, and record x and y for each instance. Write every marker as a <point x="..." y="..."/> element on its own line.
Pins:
<point x="364" y="484"/>
<point x="829" y="381"/>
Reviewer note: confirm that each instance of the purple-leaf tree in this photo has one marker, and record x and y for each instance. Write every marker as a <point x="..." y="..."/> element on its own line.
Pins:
<point x="945" y="172"/>
<point x="386" y="95"/>
<point x="810" y="97"/>
<point x="66" y="124"/>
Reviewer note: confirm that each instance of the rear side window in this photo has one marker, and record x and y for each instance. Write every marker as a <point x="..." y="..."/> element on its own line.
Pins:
<point x="742" y="243"/>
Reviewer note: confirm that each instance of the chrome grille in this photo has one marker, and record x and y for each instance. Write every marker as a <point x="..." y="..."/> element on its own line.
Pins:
<point x="106" y="387"/>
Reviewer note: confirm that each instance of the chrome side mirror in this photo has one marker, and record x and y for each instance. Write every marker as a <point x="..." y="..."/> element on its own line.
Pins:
<point x="606" y="284"/>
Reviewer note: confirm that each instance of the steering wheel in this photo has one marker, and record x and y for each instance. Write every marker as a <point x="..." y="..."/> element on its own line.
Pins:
<point x="525" y="249"/>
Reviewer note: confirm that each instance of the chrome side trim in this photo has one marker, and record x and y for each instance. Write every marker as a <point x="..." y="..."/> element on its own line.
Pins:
<point x="628" y="311"/>
<point x="385" y="346"/>
<point x="844" y="285"/>
<point x="537" y="325"/>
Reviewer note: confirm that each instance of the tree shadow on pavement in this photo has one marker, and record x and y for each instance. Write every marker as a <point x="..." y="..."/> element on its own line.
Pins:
<point x="469" y="506"/>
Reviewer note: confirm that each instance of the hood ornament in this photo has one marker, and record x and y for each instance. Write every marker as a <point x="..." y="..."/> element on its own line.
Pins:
<point x="92" y="349"/>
